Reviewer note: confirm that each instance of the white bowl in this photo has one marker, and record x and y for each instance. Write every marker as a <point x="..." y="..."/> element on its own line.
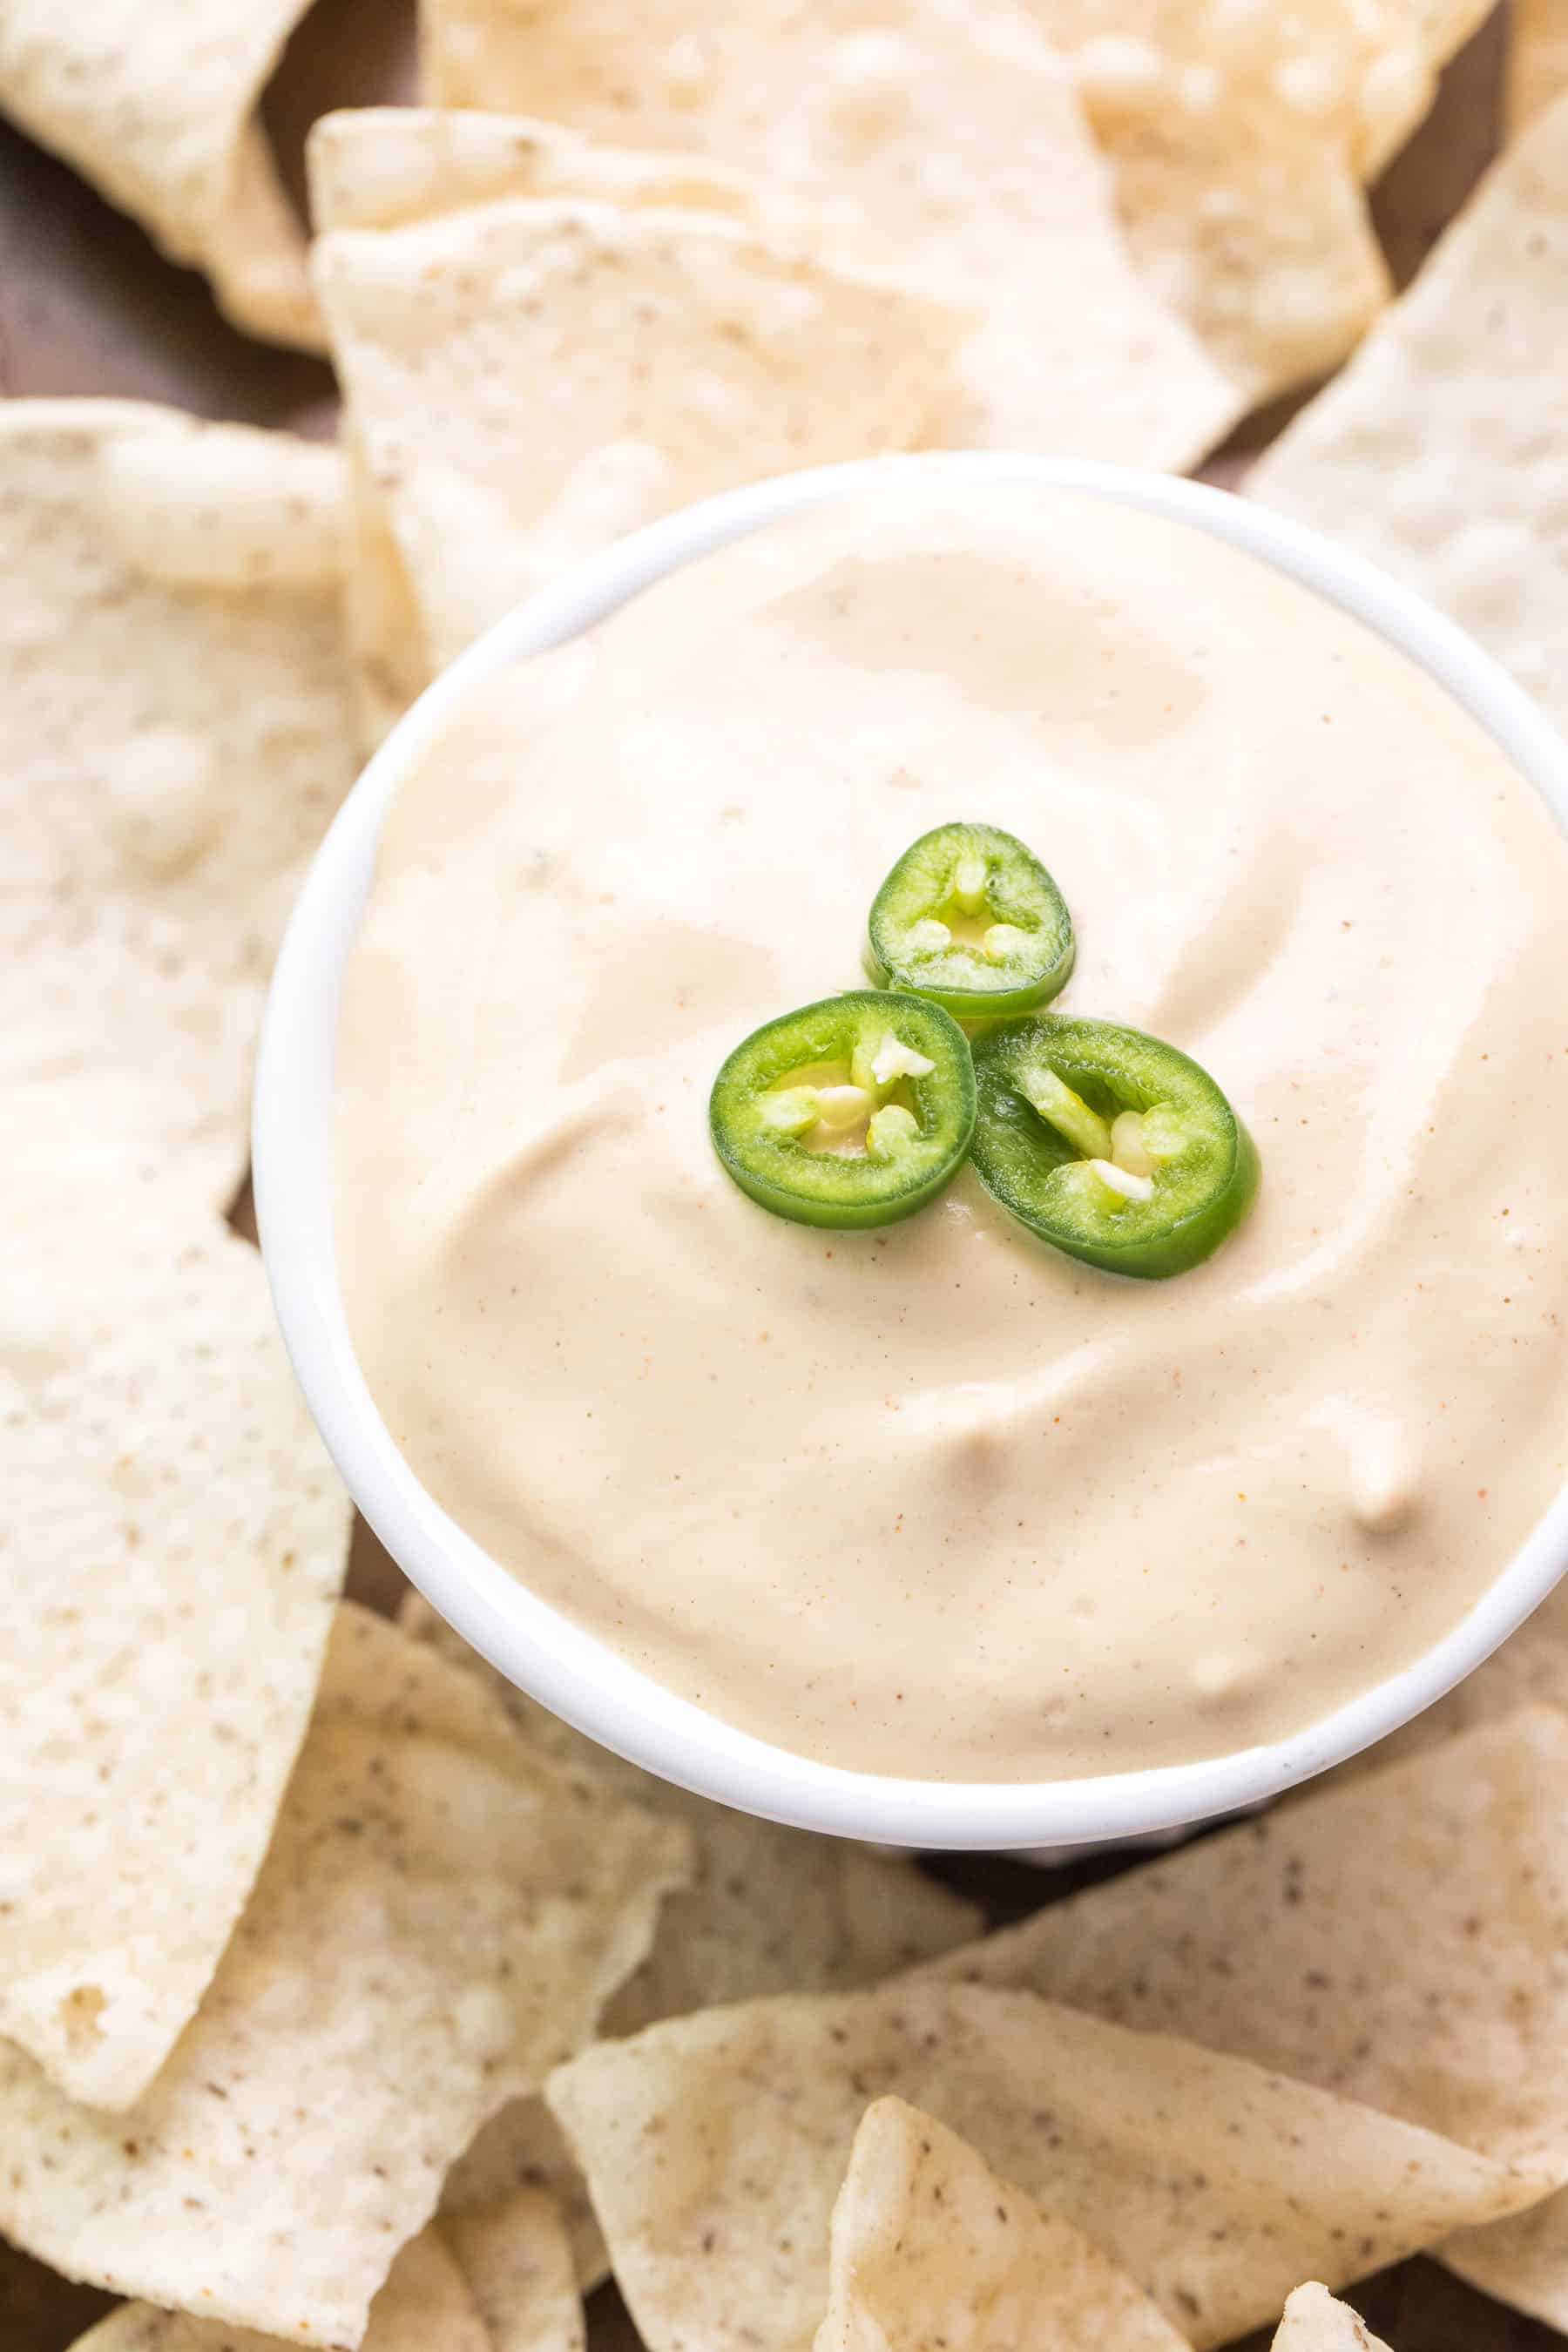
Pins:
<point x="565" y="1667"/>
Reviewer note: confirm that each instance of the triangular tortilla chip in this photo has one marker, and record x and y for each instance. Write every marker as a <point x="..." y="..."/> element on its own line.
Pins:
<point x="517" y="2260"/>
<point x="1240" y="139"/>
<point x="174" y="1538"/>
<point x="1400" y="1939"/>
<point x="715" y="2144"/>
<point x="174" y="738"/>
<point x="939" y="138"/>
<point x="174" y="735"/>
<point x="1437" y="453"/>
<point x="512" y="413"/>
<point x="426" y="2305"/>
<point x="430" y="1932"/>
<point x="932" y="2252"/>
<point x="394" y="166"/>
<point x="156" y="101"/>
<point x="1314" y="2322"/>
<point x="522" y="2150"/>
<point x="769" y="1909"/>
<point x="1536" y="57"/>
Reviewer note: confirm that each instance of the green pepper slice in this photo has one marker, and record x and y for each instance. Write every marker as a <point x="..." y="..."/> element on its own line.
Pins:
<point x="855" y="1111"/>
<point x="969" y="918"/>
<point x="1109" y="1144"/>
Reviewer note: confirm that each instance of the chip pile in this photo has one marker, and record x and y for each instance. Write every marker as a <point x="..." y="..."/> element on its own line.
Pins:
<point x="347" y="1997"/>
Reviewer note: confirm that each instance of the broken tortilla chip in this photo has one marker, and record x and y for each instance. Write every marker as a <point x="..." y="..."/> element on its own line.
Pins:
<point x="941" y="139"/>
<point x="518" y="2263"/>
<point x="1240" y="138"/>
<point x="1537" y="58"/>
<point x="715" y="2144"/>
<point x="1314" y="2322"/>
<point x="176" y="733"/>
<point x="429" y="1933"/>
<point x="769" y="1909"/>
<point x="157" y="103"/>
<point x="508" y="419"/>
<point x="1399" y="1938"/>
<point x="1438" y="453"/>
<point x="932" y="2252"/>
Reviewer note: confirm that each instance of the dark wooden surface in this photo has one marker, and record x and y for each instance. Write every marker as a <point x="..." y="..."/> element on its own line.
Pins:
<point x="87" y="305"/>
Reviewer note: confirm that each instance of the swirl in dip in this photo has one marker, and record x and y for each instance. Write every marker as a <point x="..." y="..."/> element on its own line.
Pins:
<point x="935" y="1500"/>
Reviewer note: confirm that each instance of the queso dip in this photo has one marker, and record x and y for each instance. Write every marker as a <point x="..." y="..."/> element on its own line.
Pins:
<point x="935" y="1499"/>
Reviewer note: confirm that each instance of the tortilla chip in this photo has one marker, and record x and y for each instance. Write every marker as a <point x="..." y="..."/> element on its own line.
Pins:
<point x="714" y="2145"/>
<point x="523" y="2150"/>
<point x="156" y="102"/>
<point x="173" y="1541"/>
<point x="1314" y="2322"/>
<point x="518" y="2263"/>
<point x="426" y="2305"/>
<point x="939" y="138"/>
<point x="174" y="735"/>
<point x="430" y="1932"/>
<point x="395" y="166"/>
<point x="1536" y="57"/>
<point x="1439" y="452"/>
<point x="512" y="420"/>
<point x="1523" y="2261"/>
<point x="1240" y="139"/>
<point x="932" y="2252"/>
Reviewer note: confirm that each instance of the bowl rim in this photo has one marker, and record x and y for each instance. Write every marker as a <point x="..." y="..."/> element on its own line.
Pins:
<point x="559" y="1664"/>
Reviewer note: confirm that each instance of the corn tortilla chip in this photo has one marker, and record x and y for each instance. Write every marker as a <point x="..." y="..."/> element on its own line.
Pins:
<point x="1523" y="2261"/>
<point x="429" y="1933"/>
<point x="517" y="2260"/>
<point x="939" y="138"/>
<point x="156" y="102"/>
<point x="426" y="2305"/>
<point x="1402" y="1939"/>
<point x="769" y="1909"/>
<point x="172" y="1544"/>
<point x="932" y="2252"/>
<point x="715" y="2144"/>
<point x="175" y="734"/>
<point x="1240" y="138"/>
<point x="523" y="2150"/>
<point x="1536" y="57"/>
<point x="394" y="166"/>
<point x="1314" y="2322"/>
<point x="512" y="413"/>
<point x="1440" y="452"/>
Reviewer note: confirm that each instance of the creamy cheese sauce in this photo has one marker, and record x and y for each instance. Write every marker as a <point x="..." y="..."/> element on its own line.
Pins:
<point x="935" y="1500"/>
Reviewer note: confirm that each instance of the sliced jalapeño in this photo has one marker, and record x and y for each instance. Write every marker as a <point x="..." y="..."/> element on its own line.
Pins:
<point x="1109" y="1144"/>
<point x="855" y="1111"/>
<point x="969" y="918"/>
